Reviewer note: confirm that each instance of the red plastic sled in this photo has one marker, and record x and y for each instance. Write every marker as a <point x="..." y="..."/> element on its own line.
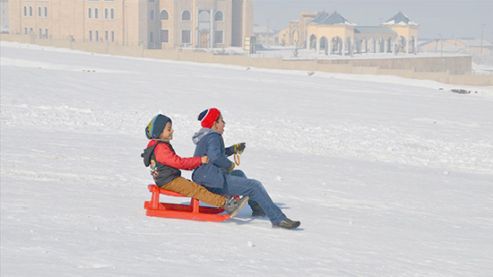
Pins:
<point x="192" y="211"/>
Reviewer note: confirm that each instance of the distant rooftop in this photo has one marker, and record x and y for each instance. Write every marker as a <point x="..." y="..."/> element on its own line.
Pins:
<point x="323" y="18"/>
<point x="400" y="19"/>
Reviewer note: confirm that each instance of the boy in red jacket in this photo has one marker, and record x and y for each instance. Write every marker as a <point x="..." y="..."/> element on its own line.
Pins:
<point x="165" y="167"/>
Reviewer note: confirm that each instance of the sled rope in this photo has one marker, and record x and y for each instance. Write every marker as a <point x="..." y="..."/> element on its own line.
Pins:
<point x="237" y="158"/>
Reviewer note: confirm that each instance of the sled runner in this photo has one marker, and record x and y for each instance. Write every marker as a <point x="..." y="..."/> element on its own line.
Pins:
<point x="192" y="211"/>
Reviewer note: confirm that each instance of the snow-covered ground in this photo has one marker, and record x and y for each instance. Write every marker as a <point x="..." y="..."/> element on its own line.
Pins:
<point x="389" y="176"/>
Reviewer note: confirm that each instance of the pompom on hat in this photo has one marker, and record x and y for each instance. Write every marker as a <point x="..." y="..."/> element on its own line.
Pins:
<point x="156" y="126"/>
<point x="208" y="117"/>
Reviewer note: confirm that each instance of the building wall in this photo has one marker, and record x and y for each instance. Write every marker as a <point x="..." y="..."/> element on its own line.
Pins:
<point x="408" y="33"/>
<point x="117" y="21"/>
<point x="343" y="34"/>
<point x="247" y="18"/>
<point x="283" y="37"/>
<point x="305" y="19"/>
<point x="4" y="16"/>
<point x="131" y="22"/>
<point x="331" y="31"/>
<point x="167" y="6"/>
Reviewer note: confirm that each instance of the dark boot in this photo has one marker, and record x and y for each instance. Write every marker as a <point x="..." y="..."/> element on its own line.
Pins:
<point x="287" y="224"/>
<point x="256" y="209"/>
<point x="233" y="205"/>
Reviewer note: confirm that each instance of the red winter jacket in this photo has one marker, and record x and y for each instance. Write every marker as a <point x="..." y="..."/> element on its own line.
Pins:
<point x="167" y="162"/>
<point x="166" y="155"/>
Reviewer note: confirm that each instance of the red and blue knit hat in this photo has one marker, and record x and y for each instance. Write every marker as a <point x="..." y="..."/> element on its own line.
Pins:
<point x="156" y="126"/>
<point x="208" y="117"/>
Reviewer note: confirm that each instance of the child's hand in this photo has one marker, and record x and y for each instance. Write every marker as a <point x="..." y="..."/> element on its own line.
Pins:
<point x="239" y="148"/>
<point x="231" y="167"/>
<point x="204" y="159"/>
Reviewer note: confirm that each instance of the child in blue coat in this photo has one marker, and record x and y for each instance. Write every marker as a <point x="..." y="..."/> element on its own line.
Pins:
<point x="219" y="175"/>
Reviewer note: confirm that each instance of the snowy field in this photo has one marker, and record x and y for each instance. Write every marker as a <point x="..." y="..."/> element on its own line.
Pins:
<point x="389" y="176"/>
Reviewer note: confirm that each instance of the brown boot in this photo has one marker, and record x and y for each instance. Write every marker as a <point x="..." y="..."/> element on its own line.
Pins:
<point x="287" y="224"/>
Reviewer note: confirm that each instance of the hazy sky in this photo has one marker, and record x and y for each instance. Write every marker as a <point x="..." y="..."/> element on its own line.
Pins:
<point x="437" y="18"/>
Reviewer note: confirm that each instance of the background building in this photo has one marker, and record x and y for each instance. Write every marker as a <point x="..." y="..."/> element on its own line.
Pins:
<point x="4" y="16"/>
<point x="334" y="34"/>
<point x="203" y="23"/>
<point x="144" y="23"/>
<point x="264" y="35"/>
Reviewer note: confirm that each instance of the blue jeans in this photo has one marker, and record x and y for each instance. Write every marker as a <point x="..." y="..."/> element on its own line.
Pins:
<point x="238" y="184"/>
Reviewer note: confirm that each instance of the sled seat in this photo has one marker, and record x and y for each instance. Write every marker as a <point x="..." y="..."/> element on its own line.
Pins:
<point x="192" y="211"/>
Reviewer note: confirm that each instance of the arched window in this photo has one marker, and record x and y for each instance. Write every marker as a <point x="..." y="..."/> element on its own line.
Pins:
<point x="324" y="45"/>
<point x="336" y="45"/>
<point x="313" y="42"/>
<point x="295" y="36"/>
<point x="185" y="15"/>
<point x="164" y="15"/>
<point x="219" y="16"/>
<point x="204" y="16"/>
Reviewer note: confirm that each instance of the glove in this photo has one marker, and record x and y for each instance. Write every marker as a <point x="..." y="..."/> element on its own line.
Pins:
<point x="239" y="148"/>
<point x="231" y="167"/>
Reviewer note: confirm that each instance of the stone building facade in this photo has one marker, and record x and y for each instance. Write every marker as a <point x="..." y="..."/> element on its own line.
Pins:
<point x="332" y="34"/>
<point x="144" y="23"/>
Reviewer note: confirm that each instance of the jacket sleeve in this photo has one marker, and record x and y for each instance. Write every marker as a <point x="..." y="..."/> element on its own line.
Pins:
<point x="230" y="150"/>
<point x="166" y="156"/>
<point x="215" y="155"/>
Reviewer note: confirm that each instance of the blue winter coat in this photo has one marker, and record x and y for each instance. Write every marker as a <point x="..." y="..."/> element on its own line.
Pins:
<point x="211" y="144"/>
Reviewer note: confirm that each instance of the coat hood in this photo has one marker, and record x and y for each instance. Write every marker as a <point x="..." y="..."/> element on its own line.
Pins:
<point x="201" y="134"/>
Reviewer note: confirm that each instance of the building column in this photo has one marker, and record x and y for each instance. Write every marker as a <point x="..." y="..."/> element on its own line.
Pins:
<point x="366" y="46"/>
<point x="407" y="46"/>
<point x="211" y="29"/>
<point x="415" y="45"/>
<point x="194" y="29"/>
<point x="385" y="46"/>
<point x="328" y="47"/>
<point x="343" y="51"/>
<point x="318" y="46"/>
<point x="308" y="43"/>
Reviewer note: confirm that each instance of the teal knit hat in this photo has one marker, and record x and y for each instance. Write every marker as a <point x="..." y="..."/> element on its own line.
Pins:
<point x="156" y="126"/>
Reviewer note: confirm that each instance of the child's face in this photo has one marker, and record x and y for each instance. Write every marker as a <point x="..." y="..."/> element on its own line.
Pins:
<point x="219" y="125"/>
<point x="167" y="133"/>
